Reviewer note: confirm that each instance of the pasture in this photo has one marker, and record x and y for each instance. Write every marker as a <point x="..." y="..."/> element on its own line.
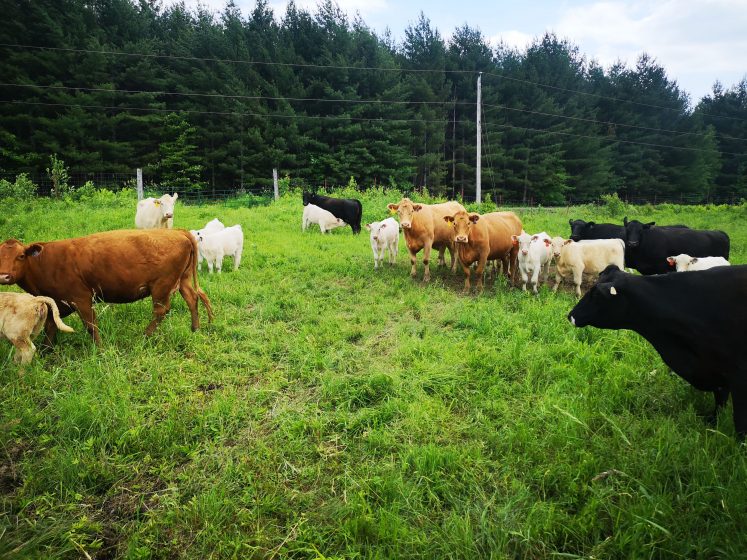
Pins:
<point x="334" y="411"/>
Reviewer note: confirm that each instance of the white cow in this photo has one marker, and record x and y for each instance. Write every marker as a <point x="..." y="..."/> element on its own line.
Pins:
<point x="684" y="263"/>
<point x="154" y="213"/>
<point x="535" y="254"/>
<point x="314" y="215"/>
<point x="590" y="256"/>
<point x="384" y="235"/>
<point x="211" y="227"/>
<point x="215" y="246"/>
<point x="557" y="244"/>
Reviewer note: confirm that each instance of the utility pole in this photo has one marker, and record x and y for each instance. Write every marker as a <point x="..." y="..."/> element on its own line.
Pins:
<point x="478" y="171"/>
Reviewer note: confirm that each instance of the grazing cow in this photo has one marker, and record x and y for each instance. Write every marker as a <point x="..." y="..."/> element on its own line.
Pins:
<point x="684" y="263"/>
<point x="326" y="220"/>
<point x="384" y="235"/>
<point x="696" y="322"/>
<point x="591" y="256"/>
<point x="215" y="246"/>
<point x="349" y="210"/>
<point x="118" y="266"/>
<point x="425" y="228"/>
<point x="535" y="254"/>
<point x="581" y="230"/>
<point x="479" y="239"/>
<point x="155" y="213"/>
<point x="211" y="227"/>
<point x="22" y="317"/>
<point x="649" y="247"/>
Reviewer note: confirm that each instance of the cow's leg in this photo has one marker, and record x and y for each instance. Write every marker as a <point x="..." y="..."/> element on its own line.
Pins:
<point x="426" y="262"/>
<point x="236" y="259"/>
<point x="413" y="262"/>
<point x="467" y="272"/>
<point x="190" y="296"/>
<point x="88" y="316"/>
<point x="219" y="262"/>
<point x="524" y="278"/>
<point x="535" y="279"/>
<point x="558" y="279"/>
<point x="720" y="396"/>
<point x="395" y="251"/>
<point x="452" y="254"/>
<point x="210" y="265"/>
<point x="739" y="403"/>
<point x="578" y="276"/>
<point x="25" y="350"/>
<point x="441" y="256"/>
<point x="161" y="296"/>
<point x="479" y="272"/>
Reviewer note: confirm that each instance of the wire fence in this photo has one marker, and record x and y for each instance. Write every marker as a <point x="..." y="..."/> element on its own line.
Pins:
<point x="262" y="193"/>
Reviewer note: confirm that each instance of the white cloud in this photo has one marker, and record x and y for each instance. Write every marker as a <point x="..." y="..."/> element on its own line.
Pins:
<point x="513" y="38"/>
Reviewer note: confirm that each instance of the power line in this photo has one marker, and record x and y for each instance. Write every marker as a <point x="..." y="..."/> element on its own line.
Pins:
<point x="360" y="101"/>
<point x="348" y="118"/>
<point x="347" y="67"/>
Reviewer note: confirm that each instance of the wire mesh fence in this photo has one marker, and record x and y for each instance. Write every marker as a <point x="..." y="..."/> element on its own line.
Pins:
<point x="262" y="193"/>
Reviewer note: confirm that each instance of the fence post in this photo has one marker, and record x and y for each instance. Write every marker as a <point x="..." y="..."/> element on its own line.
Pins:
<point x="275" y="182"/>
<point x="139" y="184"/>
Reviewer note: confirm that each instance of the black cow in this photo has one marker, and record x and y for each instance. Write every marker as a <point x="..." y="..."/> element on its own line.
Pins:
<point x="647" y="248"/>
<point x="696" y="321"/>
<point x="581" y="230"/>
<point x="349" y="210"/>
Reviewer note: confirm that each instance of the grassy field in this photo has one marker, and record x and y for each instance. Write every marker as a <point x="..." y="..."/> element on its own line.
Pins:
<point x="334" y="411"/>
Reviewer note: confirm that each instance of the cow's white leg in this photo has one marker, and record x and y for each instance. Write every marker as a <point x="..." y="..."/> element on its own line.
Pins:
<point x="210" y="265"/>
<point x="578" y="275"/>
<point x="558" y="278"/>
<point x="524" y="278"/>
<point x="535" y="278"/>
<point x="236" y="259"/>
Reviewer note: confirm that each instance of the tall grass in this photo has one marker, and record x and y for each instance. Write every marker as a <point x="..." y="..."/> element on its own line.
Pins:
<point x="334" y="411"/>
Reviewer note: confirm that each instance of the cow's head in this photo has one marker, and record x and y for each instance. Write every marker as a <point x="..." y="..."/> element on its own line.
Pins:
<point x="14" y="257"/>
<point x="307" y="197"/>
<point x="634" y="231"/>
<point x="605" y="305"/>
<point x="166" y="204"/>
<point x="681" y="262"/>
<point x="375" y="228"/>
<point x="462" y="223"/>
<point x="557" y="244"/>
<point x="522" y="242"/>
<point x="580" y="229"/>
<point x="406" y="210"/>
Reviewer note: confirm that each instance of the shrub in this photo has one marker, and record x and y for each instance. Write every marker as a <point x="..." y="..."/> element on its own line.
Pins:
<point x="613" y="205"/>
<point x="22" y="189"/>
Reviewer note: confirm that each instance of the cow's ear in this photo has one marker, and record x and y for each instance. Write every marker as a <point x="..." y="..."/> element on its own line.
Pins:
<point x="417" y="207"/>
<point x="547" y="242"/>
<point x="570" y="222"/>
<point x="625" y="221"/>
<point x="591" y="224"/>
<point x="393" y="207"/>
<point x="33" y="250"/>
<point x="157" y="202"/>
<point x="671" y="261"/>
<point x="648" y="225"/>
<point x="382" y="226"/>
<point x="175" y="195"/>
<point x="368" y="227"/>
<point x="448" y="219"/>
<point x="474" y="218"/>
<point x="535" y="238"/>
<point x="567" y="241"/>
<point x="693" y="260"/>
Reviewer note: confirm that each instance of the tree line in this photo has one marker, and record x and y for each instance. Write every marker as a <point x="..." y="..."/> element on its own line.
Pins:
<point x="206" y="101"/>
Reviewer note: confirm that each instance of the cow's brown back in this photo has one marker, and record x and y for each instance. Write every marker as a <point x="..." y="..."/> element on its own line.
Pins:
<point x="428" y="223"/>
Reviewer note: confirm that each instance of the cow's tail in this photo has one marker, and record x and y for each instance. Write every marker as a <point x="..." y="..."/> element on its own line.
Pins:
<point x="193" y="263"/>
<point x="55" y="313"/>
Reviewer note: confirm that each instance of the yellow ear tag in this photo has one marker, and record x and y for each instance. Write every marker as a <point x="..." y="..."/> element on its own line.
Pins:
<point x="392" y="211"/>
<point x="157" y="202"/>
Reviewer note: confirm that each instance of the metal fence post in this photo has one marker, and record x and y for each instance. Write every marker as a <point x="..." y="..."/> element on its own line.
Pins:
<point x="139" y="184"/>
<point x="275" y="182"/>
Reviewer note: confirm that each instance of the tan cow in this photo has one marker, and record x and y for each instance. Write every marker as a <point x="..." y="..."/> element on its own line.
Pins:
<point x="22" y="317"/>
<point x="118" y="266"/>
<point x="482" y="238"/>
<point x="425" y="228"/>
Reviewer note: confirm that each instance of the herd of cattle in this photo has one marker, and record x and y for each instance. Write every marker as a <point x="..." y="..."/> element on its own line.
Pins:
<point x="695" y="320"/>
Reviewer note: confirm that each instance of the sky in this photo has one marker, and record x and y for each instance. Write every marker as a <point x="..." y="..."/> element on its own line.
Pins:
<point x="697" y="41"/>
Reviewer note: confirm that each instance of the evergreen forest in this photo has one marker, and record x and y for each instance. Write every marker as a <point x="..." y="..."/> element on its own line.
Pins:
<point x="212" y="102"/>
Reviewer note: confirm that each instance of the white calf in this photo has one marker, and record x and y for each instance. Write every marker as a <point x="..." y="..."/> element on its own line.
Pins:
<point x="557" y="244"/>
<point x="211" y="227"/>
<point x="384" y="235"/>
<point x="535" y="254"/>
<point x="314" y="215"/>
<point x="154" y="213"/>
<point x="590" y="256"/>
<point x="684" y="263"/>
<point x="214" y="246"/>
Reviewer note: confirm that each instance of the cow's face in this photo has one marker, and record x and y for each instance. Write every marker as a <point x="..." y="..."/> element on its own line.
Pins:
<point x="580" y="228"/>
<point x="462" y="223"/>
<point x="375" y="228"/>
<point x="406" y="210"/>
<point x="681" y="262"/>
<point x="634" y="231"/>
<point x="522" y="241"/>
<point x="557" y="244"/>
<point x="306" y="197"/>
<point x="604" y="306"/>
<point x="13" y="260"/>
<point x="166" y="203"/>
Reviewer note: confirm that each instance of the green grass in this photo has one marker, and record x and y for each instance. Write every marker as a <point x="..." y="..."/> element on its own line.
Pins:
<point x="334" y="411"/>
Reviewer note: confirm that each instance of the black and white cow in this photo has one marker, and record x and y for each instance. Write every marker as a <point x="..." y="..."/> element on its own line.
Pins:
<point x="695" y="321"/>
<point x="349" y="210"/>
<point x="647" y="248"/>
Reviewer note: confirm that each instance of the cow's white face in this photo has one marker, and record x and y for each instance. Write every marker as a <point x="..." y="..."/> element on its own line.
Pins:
<point x="680" y="262"/>
<point x="166" y="203"/>
<point x="557" y="243"/>
<point x="523" y="242"/>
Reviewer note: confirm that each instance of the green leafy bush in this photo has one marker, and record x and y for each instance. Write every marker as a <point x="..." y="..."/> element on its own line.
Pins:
<point x="22" y="189"/>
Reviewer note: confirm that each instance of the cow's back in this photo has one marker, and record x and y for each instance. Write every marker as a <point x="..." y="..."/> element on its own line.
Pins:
<point x="115" y="266"/>
<point x="500" y="227"/>
<point x="429" y="223"/>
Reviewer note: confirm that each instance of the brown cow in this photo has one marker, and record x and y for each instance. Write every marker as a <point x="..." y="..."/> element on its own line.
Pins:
<point x="114" y="266"/>
<point x="425" y="229"/>
<point x="482" y="238"/>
